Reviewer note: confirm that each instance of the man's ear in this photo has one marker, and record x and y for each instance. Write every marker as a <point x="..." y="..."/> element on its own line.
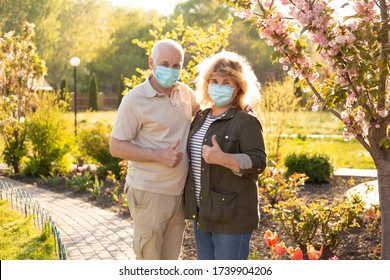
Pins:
<point x="151" y="63"/>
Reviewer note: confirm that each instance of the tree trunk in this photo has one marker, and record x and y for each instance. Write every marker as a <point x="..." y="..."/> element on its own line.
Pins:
<point x="383" y="168"/>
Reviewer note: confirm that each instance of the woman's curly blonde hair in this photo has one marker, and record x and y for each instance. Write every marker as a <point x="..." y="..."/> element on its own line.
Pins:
<point x="234" y="66"/>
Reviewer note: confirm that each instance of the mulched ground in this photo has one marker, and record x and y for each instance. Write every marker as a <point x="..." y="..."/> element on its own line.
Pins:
<point x="357" y="244"/>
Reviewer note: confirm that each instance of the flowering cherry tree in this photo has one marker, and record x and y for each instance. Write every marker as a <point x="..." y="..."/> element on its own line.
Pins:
<point x="20" y="70"/>
<point x="344" y="62"/>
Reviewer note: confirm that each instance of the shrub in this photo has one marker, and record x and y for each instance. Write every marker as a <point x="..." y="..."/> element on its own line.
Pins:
<point x="319" y="222"/>
<point x="274" y="186"/>
<point x="97" y="187"/>
<point x="94" y="142"/>
<point x="80" y="182"/>
<point x="49" y="138"/>
<point x="318" y="167"/>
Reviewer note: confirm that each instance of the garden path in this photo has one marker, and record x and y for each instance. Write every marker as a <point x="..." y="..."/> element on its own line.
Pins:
<point x="88" y="232"/>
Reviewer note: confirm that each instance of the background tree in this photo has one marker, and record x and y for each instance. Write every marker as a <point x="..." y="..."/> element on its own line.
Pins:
<point x="197" y="43"/>
<point x="93" y="94"/>
<point x="120" y="57"/>
<point x="354" y="50"/>
<point x="64" y="28"/>
<point x="277" y="101"/>
<point x="203" y="13"/>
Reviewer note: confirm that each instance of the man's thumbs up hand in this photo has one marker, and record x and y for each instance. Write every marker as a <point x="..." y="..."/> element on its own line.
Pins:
<point x="170" y="156"/>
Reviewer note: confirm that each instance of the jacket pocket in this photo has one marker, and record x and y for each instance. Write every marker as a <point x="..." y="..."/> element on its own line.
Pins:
<point x="221" y="206"/>
<point x="227" y="141"/>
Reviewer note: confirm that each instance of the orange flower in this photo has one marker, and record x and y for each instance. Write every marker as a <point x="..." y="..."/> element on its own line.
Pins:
<point x="280" y="248"/>
<point x="295" y="254"/>
<point x="313" y="254"/>
<point x="271" y="238"/>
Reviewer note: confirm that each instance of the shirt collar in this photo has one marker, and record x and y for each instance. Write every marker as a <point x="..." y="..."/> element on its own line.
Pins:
<point x="151" y="92"/>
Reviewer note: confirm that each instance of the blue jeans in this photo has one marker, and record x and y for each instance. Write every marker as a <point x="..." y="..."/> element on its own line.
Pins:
<point x="221" y="246"/>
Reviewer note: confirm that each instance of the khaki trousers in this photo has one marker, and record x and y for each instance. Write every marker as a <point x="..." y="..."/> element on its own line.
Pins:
<point x="158" y="222"/>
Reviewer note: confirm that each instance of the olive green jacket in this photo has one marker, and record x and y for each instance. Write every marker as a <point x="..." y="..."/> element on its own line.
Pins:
<point x="228" y="202"/>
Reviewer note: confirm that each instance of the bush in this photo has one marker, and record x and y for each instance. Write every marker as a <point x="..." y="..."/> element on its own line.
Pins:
<point x="94" y="142"/>
<point x="318" y="167"/>
<point x="275" y="187"/>
<point x="49" y="138"/>
<point x="80" y="182"/>
<point x="319" y="222"/>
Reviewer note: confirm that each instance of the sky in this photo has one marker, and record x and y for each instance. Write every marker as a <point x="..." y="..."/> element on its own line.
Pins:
<point x="164" y="7"/>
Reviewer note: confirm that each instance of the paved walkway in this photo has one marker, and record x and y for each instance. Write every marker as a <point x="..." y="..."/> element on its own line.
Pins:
<point x="88" y="232"/>
<point x="356" y="172"/>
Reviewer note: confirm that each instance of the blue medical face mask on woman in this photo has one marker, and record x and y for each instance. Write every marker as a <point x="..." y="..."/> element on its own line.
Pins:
<point x="220" y="95"/>
<point x="166" y="76"/>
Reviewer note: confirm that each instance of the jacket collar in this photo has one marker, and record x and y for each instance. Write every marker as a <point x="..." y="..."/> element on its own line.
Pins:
<point x="229" y="114"/>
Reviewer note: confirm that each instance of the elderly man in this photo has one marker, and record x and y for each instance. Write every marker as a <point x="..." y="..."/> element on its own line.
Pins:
<point x="151" y="131"/>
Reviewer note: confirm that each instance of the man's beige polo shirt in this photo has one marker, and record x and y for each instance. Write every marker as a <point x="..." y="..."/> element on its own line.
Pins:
<point x="153" y="120"/>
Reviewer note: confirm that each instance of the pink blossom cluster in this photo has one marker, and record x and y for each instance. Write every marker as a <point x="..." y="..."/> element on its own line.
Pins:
<point x="316" y="16"/>
<point x="355" y="124"/>
<point x="316" y="104"/>
<point x="274" y="29"/>
<point x="351" y="99"/>
<point x="274" y="26"/>
<point x="284" y="2"/>
<point x="366" y="8"/>
<point x="247" y="13"/>
<point x="383" y="113"/>
<point x="310" y="14"/>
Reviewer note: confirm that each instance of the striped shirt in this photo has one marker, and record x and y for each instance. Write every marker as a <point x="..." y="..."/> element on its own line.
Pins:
<point x="196" y="143"/>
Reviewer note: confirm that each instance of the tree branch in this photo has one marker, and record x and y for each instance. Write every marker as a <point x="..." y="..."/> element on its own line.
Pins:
<point x="332" y="110"/>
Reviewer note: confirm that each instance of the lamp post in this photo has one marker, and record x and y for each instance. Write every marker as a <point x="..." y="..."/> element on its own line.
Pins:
<point x="75" y="62"/>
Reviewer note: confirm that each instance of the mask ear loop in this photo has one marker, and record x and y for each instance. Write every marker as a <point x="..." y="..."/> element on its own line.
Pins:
<point x="237" y="98"/>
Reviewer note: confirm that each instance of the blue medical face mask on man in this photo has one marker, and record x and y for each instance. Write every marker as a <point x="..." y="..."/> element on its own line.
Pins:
<point x="166" y="76"/>
<point x="220" y="95"/>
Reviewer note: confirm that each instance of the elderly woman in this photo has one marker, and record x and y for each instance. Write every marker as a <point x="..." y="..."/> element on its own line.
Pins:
<point x="227" y="153"/>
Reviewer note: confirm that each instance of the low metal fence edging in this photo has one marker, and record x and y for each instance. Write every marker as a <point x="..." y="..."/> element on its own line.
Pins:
<point x="22" y="202"/>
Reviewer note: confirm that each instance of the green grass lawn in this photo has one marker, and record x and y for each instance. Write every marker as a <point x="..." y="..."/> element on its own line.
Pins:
<point x="307" y="122"/>
<point x="349" y="154"/>
<point x="20" y="239"/>
<point x="88" y="117"/>
<point x="346" y="154"/>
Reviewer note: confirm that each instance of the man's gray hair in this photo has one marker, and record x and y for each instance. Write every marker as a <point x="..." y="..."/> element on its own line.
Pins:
<point x="165" y="42"/>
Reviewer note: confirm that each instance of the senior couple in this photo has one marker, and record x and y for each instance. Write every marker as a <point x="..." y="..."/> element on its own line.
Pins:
<point x="192" y="155"/>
